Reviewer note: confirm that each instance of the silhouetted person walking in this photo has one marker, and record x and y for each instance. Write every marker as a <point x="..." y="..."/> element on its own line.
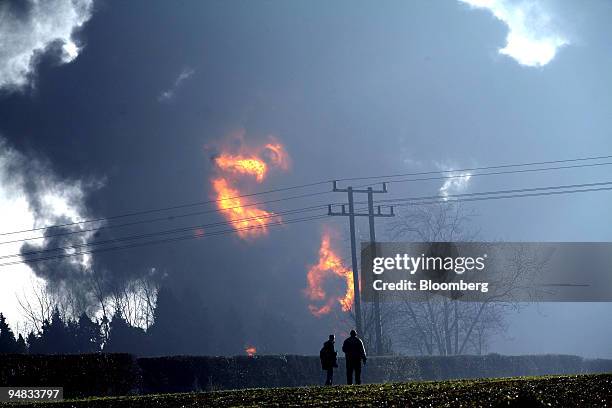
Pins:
<point x="354" y="352"/>
<point x="328" y="357"/>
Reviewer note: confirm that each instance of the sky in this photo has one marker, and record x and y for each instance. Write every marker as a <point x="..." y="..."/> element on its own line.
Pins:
<point x="108" y="108"/>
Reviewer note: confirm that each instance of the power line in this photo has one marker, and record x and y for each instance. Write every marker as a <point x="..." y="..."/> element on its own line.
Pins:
<point x="483" y="193"/>
<point x="444" y="200"/>
<point x="491" y="173"/>
<point x="499" y="197"/>
<point x="172" y="217"/>
<point x="479" y="168"/>
<point x="436" y="199"/>
<point x="168" y="232"/>
<point x="166" y="218"/>
<point x="181" y="206"/>
<point x="175" y="207"/>
<point x="166" y="240"/>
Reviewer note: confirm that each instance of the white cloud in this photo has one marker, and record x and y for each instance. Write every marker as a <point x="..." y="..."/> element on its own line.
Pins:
<point x="455" y="185"/>
<point x="34" y="27"/>
<point x="20" y="179"/>
<point x="532" y="40"/>
<point x="168" y="94"/>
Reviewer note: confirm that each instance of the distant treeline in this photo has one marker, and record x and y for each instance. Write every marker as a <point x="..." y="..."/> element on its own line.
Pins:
<point x="123" y="374"/>
<point x="180" y="326"/>
<point x="83" y="335"/>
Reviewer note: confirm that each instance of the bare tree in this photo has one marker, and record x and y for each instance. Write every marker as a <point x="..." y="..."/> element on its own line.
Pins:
<point x="149" y="289"/>
<point x="389" y="313"/>
<point x="440" y="325"/>
<point x="37" y="307"/>
<point x="135" y="300"/>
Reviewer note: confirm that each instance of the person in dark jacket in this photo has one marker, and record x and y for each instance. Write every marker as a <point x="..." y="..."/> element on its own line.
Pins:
<point x="329" y="360"/>
<point x="354" y="353"/>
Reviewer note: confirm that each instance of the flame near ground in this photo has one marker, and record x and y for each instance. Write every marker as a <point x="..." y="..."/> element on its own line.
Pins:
<point x="328" y="265"/>
<point x="250" y="350"/>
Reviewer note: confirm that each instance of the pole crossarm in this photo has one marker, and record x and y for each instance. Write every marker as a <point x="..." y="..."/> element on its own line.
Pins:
<point x="345" y="190"/>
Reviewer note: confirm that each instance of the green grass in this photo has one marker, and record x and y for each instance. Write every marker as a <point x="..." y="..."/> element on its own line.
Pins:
<point x="555" y="391"/>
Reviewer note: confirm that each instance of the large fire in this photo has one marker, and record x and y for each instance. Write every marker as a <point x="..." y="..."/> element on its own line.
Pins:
<point x="329" y="264"/>
<point x="243" y="165"/>
<point x="245" y="218"/>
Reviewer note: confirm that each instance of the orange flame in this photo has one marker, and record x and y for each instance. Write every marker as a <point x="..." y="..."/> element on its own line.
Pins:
<point x="250" y="350"/>
<point x="243" y="165"/>
<point x="329" y="264"/>
<point x="245" y="218"/>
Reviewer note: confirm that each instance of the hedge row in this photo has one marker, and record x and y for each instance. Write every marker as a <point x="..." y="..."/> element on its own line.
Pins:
<point x="182" y="374"/>
<point x="122" y="374"/>
<point x="81" y="375"/>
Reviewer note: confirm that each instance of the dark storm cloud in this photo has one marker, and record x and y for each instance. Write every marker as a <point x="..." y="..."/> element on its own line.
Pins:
<point x="63" y="257"/>
<point x="63" y="269"/>
<point x="351" y="88"/>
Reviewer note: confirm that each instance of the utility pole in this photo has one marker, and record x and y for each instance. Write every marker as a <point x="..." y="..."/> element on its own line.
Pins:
<point x="371" y="215"/>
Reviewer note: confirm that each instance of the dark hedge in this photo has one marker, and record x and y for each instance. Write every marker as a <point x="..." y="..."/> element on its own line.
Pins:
<point x="81" y="375"/>
<point x="122" y="374"/>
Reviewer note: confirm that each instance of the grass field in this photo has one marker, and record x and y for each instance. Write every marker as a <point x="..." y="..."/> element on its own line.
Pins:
<point x="555" y="391"/>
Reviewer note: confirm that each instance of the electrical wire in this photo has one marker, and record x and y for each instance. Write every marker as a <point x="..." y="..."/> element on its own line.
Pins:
<point x="400" y="202"/>
<point x="166" y="218"/>
<point x="166" y="240"/>
<point x="489" y="173"/>
<point x="484" y="193"/>
<point x="182" y="206"/>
